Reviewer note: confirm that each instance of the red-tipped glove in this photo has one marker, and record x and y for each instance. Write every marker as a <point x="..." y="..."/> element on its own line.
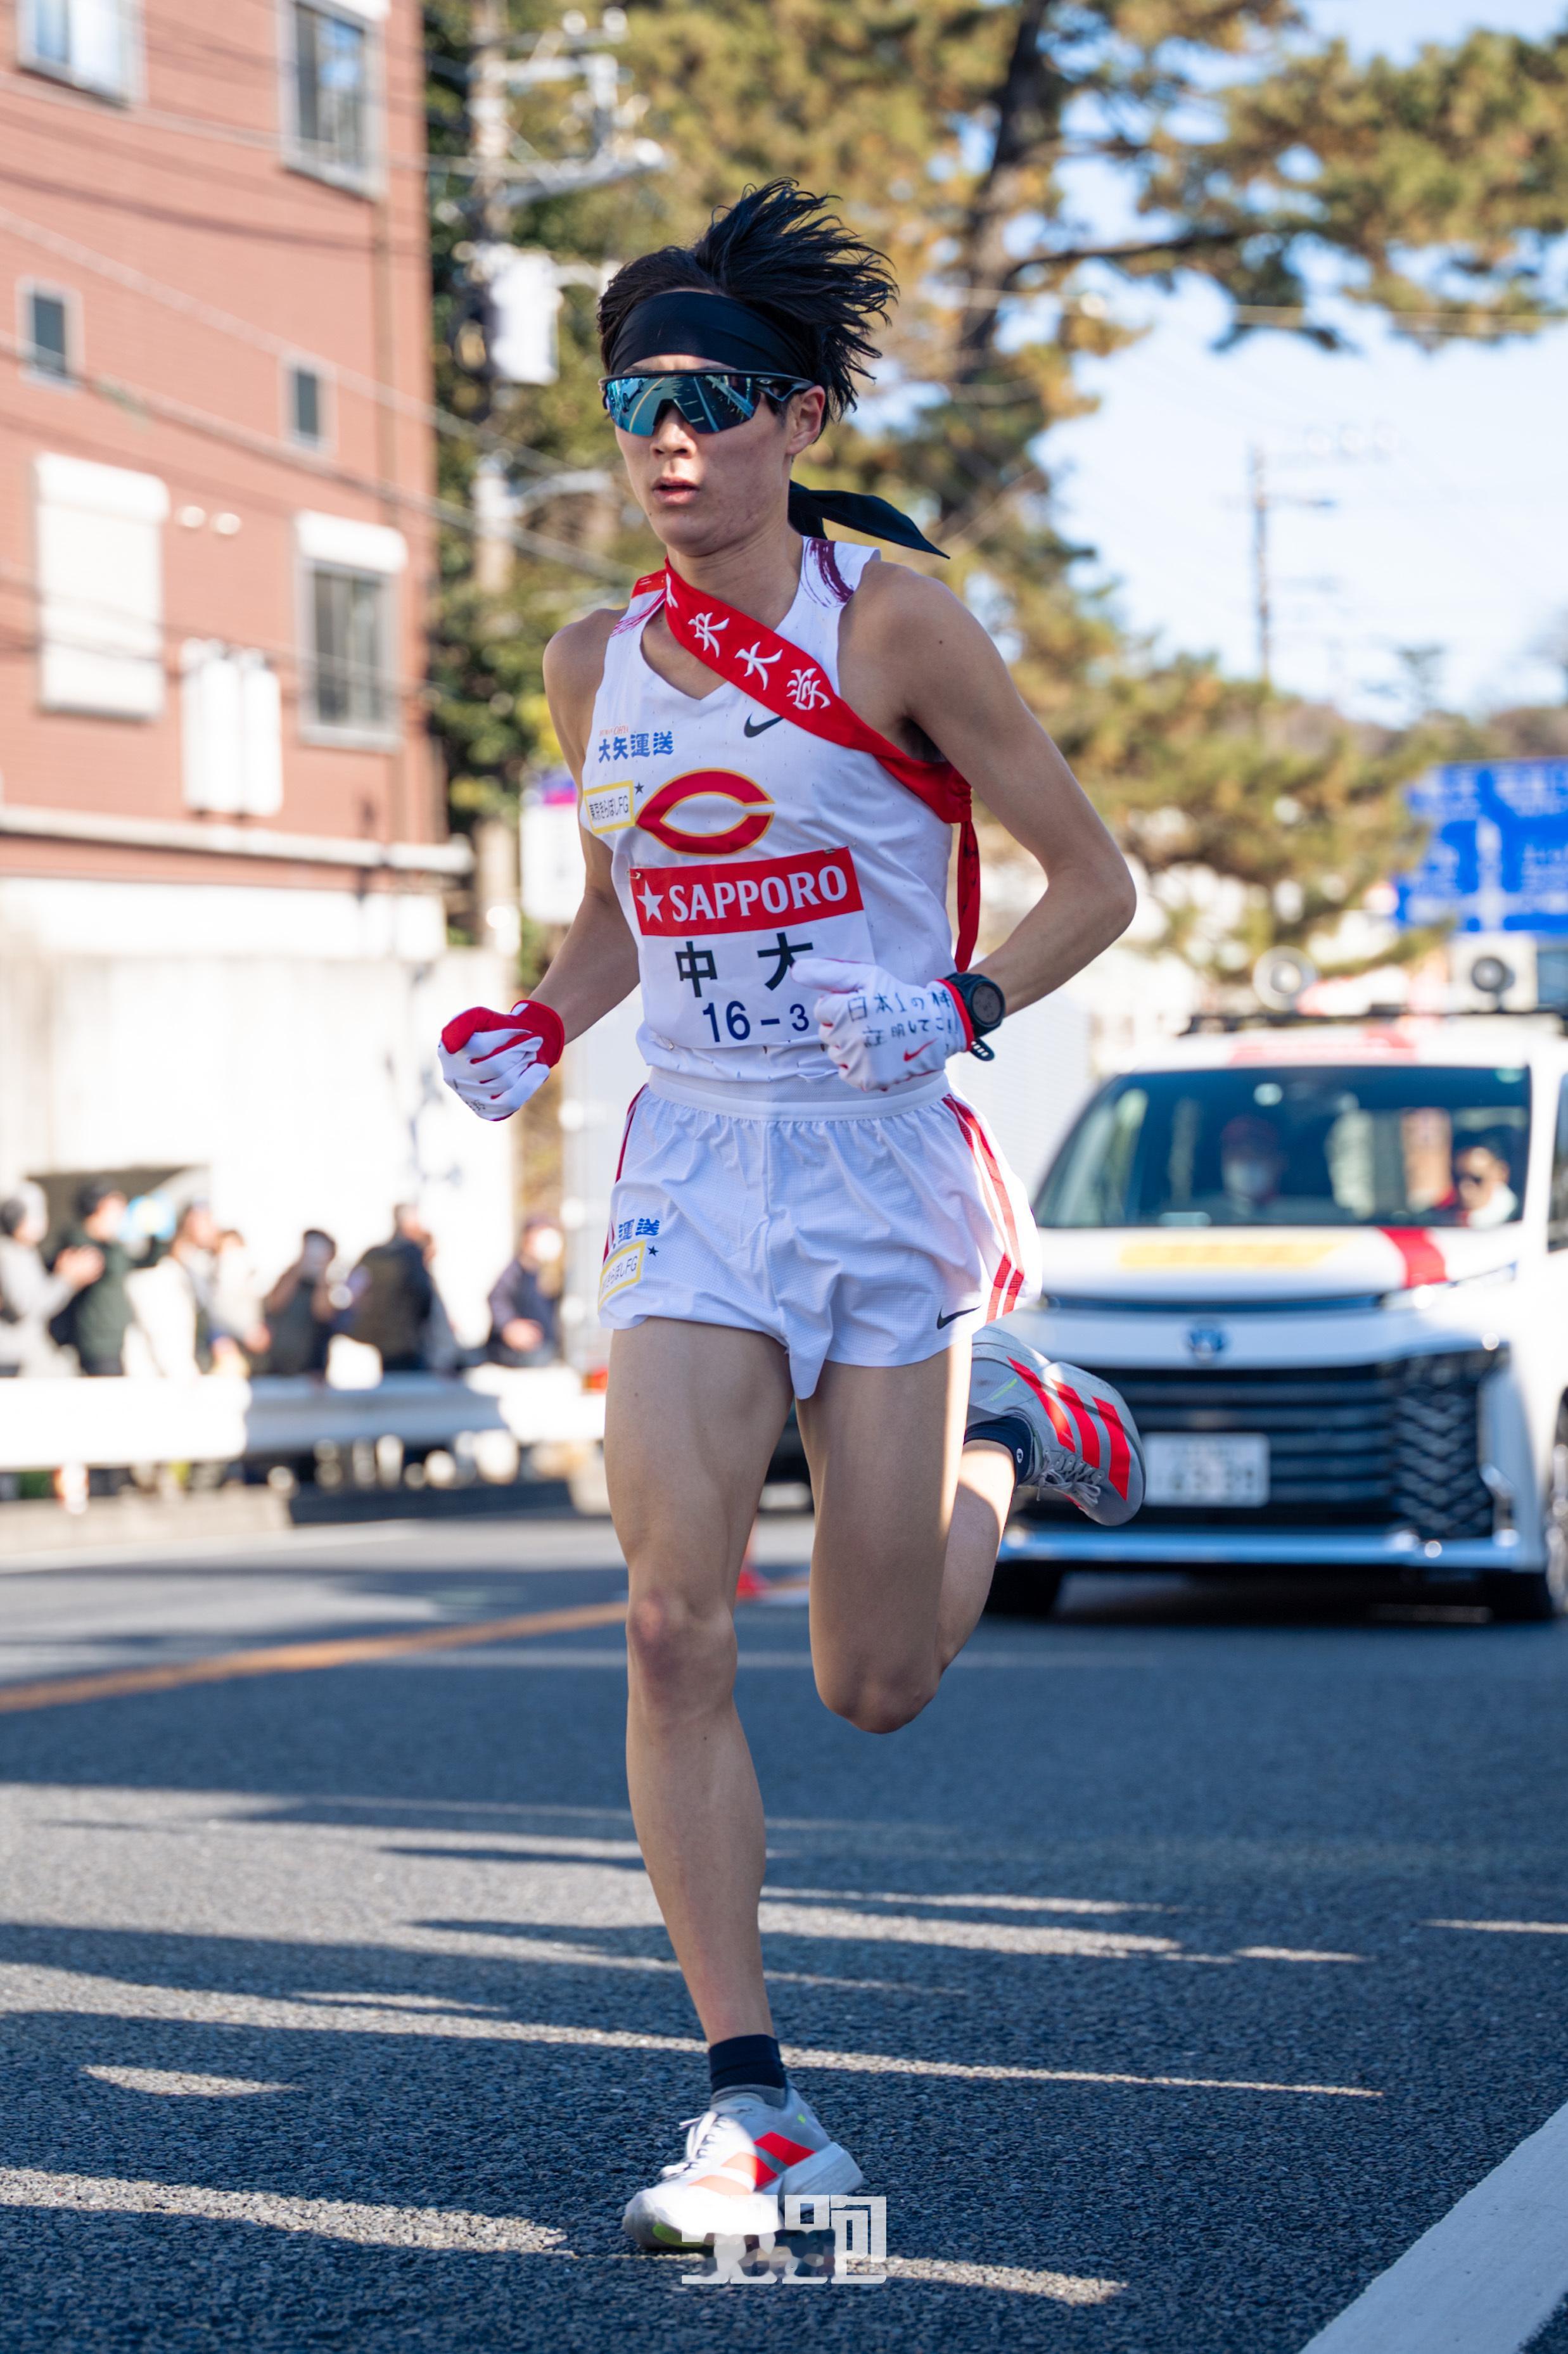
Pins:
<point x="496" y="1061"/>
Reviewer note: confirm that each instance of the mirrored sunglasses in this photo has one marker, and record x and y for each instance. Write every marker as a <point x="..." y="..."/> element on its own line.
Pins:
<point x="710" y="401"/>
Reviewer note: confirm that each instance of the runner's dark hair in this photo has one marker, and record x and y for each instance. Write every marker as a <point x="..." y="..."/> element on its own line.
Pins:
<point x="781" y="252"/>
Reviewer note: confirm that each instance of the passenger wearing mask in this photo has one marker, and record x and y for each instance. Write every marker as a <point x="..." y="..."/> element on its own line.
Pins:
<point x="1481" y="1175"/>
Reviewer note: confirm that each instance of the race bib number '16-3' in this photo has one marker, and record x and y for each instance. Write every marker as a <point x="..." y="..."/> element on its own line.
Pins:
<point x="718" y="942"/>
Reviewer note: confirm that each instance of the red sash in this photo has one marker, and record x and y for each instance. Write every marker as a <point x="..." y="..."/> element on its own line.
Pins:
<point x="785" y="680"/>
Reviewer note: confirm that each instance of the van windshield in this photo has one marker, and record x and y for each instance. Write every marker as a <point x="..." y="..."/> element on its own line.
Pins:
<point x="1316" y="1146"/>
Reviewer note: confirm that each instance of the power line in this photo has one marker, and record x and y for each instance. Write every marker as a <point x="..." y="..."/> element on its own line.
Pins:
<point x="136" y="281"/>
<point x="198" y="126"/>
<point x="267" y="446"/>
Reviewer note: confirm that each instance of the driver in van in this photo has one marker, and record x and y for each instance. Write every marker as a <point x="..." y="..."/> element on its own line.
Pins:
<point x="1252" y="1163"/>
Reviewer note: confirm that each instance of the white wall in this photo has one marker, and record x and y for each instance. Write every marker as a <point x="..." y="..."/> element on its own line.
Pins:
<point x="308" y="1085"/>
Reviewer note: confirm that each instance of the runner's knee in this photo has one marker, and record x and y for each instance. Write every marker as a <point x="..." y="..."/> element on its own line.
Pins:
<point x="873" y="1703"/>
<point x="678" y="1650"/>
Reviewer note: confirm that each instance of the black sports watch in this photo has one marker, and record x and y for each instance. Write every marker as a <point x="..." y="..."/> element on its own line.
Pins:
<point x="985" y="1006"/>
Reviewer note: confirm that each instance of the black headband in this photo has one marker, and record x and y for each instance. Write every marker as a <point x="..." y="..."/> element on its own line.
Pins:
<point x="715" y="327"/>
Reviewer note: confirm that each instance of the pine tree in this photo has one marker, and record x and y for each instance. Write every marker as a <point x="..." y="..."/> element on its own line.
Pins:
<point x="1249" y="158"/>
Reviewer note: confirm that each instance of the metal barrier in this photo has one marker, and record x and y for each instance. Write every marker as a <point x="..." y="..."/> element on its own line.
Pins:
<point x="221" y="1419"/>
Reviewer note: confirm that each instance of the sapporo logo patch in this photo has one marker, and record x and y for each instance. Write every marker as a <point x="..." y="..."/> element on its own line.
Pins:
<point x="657" y="815"/>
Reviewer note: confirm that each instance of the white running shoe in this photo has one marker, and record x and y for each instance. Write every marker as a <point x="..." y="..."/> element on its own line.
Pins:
<point x="742" y="2156"/>
<point x="1086" y="1442"/>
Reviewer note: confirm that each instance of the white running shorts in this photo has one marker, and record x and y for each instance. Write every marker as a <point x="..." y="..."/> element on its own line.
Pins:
<point x="844" y="1230"/>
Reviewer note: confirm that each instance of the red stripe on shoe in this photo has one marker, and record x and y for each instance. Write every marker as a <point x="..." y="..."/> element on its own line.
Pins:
<point x="1120" y="1452"/>
<point x="1086" y="1421"/>
<point x="1055" y="1416"/>
<point x="779" y="2146"/>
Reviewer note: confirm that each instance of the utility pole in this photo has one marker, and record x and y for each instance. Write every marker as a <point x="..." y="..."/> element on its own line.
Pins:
<point x="1258" y="492"/>
<point x="488" y="143"/>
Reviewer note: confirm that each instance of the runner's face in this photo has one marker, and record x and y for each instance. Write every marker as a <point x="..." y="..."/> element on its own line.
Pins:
<point x="703" y="492"/>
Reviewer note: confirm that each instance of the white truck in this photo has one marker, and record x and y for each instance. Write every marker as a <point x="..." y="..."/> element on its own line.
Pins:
<point x="1327" y="1264"/>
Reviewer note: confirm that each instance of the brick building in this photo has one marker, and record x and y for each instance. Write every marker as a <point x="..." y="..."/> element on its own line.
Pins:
<point x="223" y="848"/>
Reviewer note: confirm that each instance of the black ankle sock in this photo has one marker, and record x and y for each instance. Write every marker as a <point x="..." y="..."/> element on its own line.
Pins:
<point x="746" y="2060"/>
<point x="1009" y="1430"/>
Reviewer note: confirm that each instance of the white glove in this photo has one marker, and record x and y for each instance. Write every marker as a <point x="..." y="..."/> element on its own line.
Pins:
<point x="881" y="1031"/>
<point x="494" y="1062"/>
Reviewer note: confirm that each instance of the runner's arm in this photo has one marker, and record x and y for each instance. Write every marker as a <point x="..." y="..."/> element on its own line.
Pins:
<point x="954" y="686"/>
<point x="596" y="965"/>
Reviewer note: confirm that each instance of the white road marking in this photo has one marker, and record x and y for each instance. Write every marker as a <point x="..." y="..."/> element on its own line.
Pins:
<point x="26" y="1990"/>
<point x="325" y="2218"/>
<point x="1483" y="2279"/>
<point x="1293" y="1953"/>
<point x="172" y="2083"/>
<point x="991" y="1904"/>
<point x="1065" y="2288"/>
<point x="973" y="1936"/>
<point x="1509" y="1928"/>
<point x="230" y="1552"/>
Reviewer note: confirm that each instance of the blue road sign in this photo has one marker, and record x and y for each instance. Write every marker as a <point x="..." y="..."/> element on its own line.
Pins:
<point x="1496" y="858"/>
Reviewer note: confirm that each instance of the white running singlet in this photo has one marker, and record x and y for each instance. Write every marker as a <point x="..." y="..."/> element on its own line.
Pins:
<point x="741" y="843"/>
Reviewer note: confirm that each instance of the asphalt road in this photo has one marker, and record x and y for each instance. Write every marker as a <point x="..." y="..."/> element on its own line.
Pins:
<point x="337" y="2012"/>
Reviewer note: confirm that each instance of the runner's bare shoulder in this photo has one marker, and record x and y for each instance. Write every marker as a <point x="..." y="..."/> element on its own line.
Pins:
<point x="574" y="667"/>
<point x="897" y="609"/>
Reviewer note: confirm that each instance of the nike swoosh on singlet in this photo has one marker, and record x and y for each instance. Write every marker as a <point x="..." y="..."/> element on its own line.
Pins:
<point x="953" y="1319"/>
<point x="767" y="724"/>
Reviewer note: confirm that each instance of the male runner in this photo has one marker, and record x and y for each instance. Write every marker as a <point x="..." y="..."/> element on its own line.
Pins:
<point x="803" y="1206"/>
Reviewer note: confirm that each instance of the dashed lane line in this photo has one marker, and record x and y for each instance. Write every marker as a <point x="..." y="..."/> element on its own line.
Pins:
<point x="298" y="1658"/>
<point x="1482" y="2281"/>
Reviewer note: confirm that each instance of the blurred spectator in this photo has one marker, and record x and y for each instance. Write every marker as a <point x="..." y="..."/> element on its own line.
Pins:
<point x="237" y="1310"/>
<point x="30" y="1295"/>
<point x="298" y="1310"/>
<point x="176" y="1331"/>
<point x="524" y="1314"/>
<point x="392" y="1294"/>
<point x="95" y="1319"/>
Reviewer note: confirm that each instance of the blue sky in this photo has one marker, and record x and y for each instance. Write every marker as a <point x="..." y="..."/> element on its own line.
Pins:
<point x="1457" y="538"/>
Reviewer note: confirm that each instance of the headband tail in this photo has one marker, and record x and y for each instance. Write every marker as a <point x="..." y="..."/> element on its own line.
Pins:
<point x="859" y="510"/>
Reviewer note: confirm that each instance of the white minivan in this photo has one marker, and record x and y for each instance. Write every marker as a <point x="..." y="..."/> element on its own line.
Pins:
<point x="1326" y="1265"/>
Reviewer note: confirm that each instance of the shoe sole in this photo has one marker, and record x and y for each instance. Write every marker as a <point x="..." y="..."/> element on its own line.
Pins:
<point x="715" y="2216"/>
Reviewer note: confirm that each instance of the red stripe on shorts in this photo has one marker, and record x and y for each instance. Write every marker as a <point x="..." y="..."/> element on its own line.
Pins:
<point x="1009" y="1280"/>
<point x="621" y="1157"/>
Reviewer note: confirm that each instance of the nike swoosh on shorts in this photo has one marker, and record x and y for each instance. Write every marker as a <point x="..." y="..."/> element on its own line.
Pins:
<point x="775" y="721"/>
<point x="953" y="1319"/>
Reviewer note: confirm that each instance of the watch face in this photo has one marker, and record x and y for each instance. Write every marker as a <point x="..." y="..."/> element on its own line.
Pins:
<point x="987" y="1004"/>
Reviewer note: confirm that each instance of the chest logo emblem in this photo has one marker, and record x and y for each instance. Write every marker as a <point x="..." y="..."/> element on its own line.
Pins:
<point x="656" y="817"/>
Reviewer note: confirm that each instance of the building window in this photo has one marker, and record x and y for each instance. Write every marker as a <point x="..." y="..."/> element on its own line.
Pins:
<point x="306" y="397"/>
<point x="48" y="333"/>
<point x="83" y="41"/>
<point x="348" y="652"/>
<point x="347" y="623"/>
<point x="100" y="587"/>
<point x="332" y="94"/>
